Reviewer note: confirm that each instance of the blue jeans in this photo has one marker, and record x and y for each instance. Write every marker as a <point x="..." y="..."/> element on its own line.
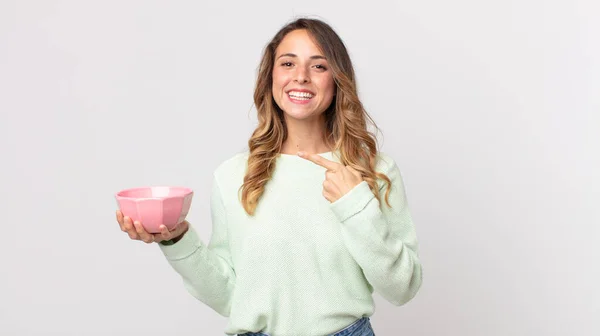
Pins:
<point x="361" y="327"/>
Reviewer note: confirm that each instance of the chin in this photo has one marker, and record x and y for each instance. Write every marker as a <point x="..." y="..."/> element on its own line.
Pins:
<point x="300" y="114"/>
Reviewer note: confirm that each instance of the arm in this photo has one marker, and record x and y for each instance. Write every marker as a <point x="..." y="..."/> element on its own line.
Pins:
<point x="382" y="240"/>
<point x="207" y="270"/>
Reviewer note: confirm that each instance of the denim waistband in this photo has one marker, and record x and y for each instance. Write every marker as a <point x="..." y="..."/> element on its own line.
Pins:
<point x="357" y="325"/>
<point x="347" y="331"/>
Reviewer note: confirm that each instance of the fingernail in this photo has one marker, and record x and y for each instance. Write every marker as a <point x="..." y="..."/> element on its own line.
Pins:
<point x="300" y="153"/>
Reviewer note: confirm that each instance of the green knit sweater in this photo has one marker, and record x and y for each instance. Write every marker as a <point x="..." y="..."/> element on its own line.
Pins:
<point x="301" y="265"/>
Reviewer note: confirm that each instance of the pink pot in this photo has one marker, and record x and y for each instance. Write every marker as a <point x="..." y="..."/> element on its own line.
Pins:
<point x="153" y="206"/>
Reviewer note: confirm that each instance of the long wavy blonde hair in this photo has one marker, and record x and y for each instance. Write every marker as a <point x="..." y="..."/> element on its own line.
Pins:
<point x="346" y="119"/>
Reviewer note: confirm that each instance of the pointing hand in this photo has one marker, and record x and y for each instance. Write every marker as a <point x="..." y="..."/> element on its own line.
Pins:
<point x="339" y="179"/>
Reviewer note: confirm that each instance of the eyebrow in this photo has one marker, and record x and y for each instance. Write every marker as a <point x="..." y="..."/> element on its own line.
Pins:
<point x="294" y="55"/>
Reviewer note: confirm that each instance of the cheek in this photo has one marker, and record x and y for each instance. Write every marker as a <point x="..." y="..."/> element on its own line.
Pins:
<point x="328" y="86"/>
<point x="279" y="79"/>
<point x="276" y="86"/>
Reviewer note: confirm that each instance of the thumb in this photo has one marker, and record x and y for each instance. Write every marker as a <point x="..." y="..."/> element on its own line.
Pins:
<point x="183" y="227"/>
<point x="164" y="234"/>
<point x="179" y="229"/>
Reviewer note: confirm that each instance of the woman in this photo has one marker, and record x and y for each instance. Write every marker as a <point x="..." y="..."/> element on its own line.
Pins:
<point x="301" y="240"/>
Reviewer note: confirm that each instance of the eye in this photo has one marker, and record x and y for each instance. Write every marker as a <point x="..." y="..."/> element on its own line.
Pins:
<point x="286" y="64"/>
<point x="320" y="67"/>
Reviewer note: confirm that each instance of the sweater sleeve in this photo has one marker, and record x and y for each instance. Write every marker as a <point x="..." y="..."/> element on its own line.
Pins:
<point x="206" y="270"/>
<point x="382" y="240"/>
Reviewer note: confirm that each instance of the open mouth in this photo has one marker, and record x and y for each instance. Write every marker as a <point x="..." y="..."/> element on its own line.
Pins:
<point x="300" y="97"/>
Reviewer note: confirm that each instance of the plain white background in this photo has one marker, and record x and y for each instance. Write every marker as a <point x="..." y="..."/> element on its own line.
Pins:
<point x="490" y="108"/>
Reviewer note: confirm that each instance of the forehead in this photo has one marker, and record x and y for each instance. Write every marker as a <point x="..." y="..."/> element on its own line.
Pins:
<point x="298" y="42"/>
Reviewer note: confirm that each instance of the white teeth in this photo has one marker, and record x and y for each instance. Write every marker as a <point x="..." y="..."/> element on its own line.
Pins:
<point x="300" y="94"/>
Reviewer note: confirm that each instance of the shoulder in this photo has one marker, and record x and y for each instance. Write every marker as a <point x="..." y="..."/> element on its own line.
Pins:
<point x="229" y="173"/>
<point x="388" y="166"/>
<point x="233" y="165"/>
<point x="385" y="163"/>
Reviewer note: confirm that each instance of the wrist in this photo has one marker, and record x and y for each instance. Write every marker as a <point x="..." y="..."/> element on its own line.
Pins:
<point x="174" y="239"/>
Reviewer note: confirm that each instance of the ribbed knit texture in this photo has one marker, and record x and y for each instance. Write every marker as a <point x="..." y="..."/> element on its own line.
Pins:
<point x="302" y="266"/>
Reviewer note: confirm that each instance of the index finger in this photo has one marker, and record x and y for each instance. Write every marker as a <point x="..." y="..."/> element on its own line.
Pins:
<point x="321" y="161"/>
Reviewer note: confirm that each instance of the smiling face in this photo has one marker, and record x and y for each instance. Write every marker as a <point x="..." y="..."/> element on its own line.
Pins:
<point x="303" y="85"/>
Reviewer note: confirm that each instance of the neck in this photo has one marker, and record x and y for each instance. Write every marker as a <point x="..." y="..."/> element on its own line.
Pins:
<point x="307" y="136"/>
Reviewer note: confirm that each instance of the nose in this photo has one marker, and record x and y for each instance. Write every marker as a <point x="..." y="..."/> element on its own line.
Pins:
<point x="302" y="75"/>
